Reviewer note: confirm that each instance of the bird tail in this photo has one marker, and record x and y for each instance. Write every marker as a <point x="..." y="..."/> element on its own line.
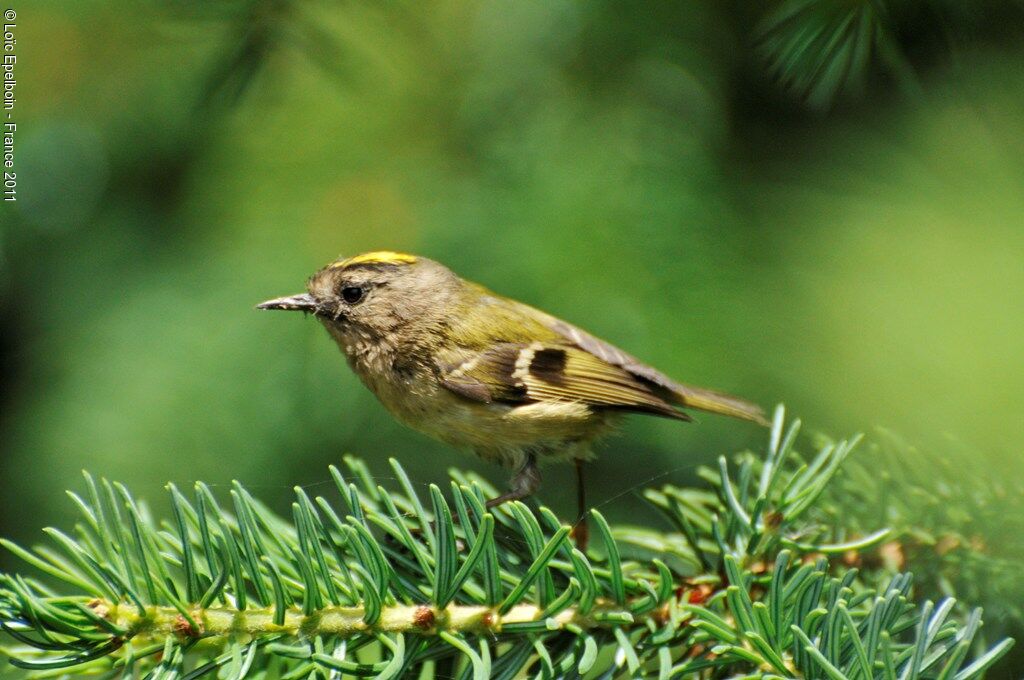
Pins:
<point x="716" y="402"/>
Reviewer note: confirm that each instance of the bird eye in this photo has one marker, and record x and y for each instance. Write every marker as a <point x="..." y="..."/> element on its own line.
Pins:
<point x="351" y="294"/>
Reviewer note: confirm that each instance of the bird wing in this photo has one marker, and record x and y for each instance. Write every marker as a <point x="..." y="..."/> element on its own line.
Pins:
<point x="668" y="389"/>
<point x="522" y="373"/>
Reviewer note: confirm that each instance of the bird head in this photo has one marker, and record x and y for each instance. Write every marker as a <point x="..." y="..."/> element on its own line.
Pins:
<point x="374" y="295"/>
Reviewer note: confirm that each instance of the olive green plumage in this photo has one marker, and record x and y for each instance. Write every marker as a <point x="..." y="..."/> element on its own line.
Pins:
<point x="454" y="360"/>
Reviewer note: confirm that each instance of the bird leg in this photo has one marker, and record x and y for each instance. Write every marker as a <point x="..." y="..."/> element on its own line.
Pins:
<point x="581" y="530"/>
<point x="524" y="483"/>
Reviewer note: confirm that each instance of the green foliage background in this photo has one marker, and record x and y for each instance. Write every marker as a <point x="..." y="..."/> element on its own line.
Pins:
<point x="683" y="179"/>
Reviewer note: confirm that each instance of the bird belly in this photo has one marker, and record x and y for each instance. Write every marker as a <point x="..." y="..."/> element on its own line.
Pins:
<point x="500" y="433"/>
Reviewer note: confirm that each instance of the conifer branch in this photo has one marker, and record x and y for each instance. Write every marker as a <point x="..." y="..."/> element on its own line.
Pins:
<point x="379" y="585"/>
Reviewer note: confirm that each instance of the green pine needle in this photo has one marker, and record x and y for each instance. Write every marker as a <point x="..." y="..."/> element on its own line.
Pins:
<point x="374" y="584"/>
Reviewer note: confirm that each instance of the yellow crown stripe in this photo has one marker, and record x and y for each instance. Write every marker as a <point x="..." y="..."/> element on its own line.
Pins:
<point x="376" y="257"/>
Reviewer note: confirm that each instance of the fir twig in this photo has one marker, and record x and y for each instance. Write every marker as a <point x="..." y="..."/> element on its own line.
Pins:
<point x="378" y="586"/>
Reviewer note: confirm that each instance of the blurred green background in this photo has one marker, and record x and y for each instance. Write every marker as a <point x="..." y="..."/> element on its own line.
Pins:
<point x="812" y="203"/>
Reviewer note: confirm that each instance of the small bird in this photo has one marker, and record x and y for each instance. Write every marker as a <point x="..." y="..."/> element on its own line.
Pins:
<point x="455" y="361"/>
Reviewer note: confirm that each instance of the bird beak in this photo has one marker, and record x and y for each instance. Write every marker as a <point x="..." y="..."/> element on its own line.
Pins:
<point x="302" y="303"/>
